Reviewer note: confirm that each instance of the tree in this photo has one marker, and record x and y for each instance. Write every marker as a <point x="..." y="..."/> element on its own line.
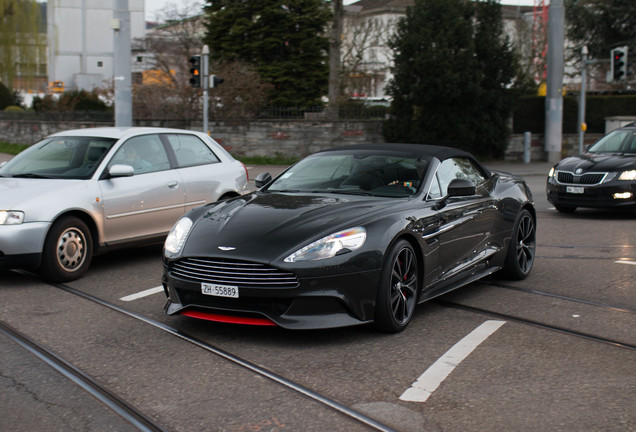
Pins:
<point x="452" y="68"/>
<point x="20" y="24"/>
<point x="601" y="25"/>
<point x="6" y="98"/>
<point x="283" y="39"/>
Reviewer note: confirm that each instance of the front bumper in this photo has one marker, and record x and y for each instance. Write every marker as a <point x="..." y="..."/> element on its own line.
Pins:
<point x="593" y="196"/>
<point x="21" y="245"/>
<point x="319" y="301"/>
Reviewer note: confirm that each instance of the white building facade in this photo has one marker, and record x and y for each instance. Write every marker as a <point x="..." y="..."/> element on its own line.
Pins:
<point x="81" y="40"/>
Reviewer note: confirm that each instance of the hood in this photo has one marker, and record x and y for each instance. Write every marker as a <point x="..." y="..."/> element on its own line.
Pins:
<point x="264" y="225"/>
<point x="44" y="199"/>
<point x="15" y="193"/>
<point x="598" y="162"/>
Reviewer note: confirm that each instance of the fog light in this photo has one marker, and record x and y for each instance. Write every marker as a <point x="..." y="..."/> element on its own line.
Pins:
<point x="622" y="195"/>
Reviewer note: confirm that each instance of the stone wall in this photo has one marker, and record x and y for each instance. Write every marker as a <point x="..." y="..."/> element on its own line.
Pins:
<point x="289" y="138"/>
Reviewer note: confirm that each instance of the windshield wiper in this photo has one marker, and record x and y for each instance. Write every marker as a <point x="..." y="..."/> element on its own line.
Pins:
<point x="345" y="192"/>
<point x="29" y="175"/>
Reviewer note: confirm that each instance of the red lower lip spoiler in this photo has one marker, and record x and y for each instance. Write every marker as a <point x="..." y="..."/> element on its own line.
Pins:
<point x="227" y="318"/>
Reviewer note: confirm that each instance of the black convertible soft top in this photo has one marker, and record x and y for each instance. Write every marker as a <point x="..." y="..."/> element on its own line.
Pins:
<point x="411" y="150"/>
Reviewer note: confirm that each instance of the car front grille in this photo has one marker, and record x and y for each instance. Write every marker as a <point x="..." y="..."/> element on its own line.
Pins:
<point x="566" y="177"/>
<point x="243" y="274"/>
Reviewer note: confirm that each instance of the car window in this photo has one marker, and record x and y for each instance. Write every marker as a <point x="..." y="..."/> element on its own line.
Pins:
<point x="454" y="168"/>
<point x="60" y="157"/>
<point x="144" y="153"/>
<point x="190" y="150"/>
<point x="610" y="143"/>
<point x="361" y="174"/>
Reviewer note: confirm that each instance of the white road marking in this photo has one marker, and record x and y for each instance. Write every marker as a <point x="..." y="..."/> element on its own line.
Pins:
<point x="626" y="262"/>
<point x="428" y="382"/>
<point x="141" y="294"/>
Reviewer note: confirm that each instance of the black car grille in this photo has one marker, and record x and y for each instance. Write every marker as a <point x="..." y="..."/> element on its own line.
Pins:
<point x="566" y="177"/>
<point x="243" y="274"/>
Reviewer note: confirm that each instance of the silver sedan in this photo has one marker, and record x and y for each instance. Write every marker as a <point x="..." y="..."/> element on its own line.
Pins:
<point x="80" y="192"/>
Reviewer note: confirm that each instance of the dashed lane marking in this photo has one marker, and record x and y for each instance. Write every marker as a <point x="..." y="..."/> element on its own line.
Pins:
<point x="428" y="382"/>
<point x="142" y="294"/>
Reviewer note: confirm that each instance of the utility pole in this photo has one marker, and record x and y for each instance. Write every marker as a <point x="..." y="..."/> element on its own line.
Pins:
<point x="121" y="64"/>
<point x="205" y="63"/>
<point x="554" y="84"/>
<point x="335" y="42"/>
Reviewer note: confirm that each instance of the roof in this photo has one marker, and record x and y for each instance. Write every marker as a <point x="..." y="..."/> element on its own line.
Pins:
<point x="415" y="150"/>
<point x="116" y="132"/>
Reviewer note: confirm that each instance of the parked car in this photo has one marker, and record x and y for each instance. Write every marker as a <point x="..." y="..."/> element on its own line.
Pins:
<point x="80" y="192"/>
<point x="602" y="177"/>
<point x="352" y="235"/>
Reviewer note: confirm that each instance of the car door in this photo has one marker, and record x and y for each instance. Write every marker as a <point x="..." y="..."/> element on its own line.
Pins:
<point x="147" y="203"/>
<point x="464" y="224"/>
<point x="200" y="168"/>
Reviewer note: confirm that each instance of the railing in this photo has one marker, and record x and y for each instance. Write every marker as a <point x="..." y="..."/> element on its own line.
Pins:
<point x="355" y="111"/>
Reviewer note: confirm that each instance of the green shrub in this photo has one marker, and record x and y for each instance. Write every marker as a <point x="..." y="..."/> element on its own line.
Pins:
<point x="529" y="112"/>
<point x="13" y="108"/>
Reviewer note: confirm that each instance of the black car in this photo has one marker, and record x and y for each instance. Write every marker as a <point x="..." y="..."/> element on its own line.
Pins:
<point x="602" y="177"/>
<point x="351" y="235"/>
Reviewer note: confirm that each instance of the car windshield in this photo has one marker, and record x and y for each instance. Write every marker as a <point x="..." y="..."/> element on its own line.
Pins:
<point x="618" y="141"/>
<point x="59" y="158"/>
<point x="373" y="174"/>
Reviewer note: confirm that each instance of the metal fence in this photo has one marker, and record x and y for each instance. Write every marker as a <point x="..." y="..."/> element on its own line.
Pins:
<point x="344" y="112"/>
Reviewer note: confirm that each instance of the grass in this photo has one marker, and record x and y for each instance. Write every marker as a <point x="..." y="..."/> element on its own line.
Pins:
<point x="267" y="160"/>
<point x="12" y="149"/>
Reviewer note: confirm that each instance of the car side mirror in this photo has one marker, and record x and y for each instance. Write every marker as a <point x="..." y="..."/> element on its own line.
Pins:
<point x="460" y="187"/>
<point x="456" y="188"/>
<point x="121" y="171"/>
<point x="262" y="179"/>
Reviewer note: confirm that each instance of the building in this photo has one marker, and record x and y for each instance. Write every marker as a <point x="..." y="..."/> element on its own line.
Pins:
<point x="369" y="24"/>
<point x="81" y="42"/>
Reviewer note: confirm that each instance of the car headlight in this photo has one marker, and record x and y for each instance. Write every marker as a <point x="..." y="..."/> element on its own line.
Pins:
<point x="177" y="236"/>
<point x="551" y="173"/>
<point x="327" y="247"/>
<point x="628" y="175"/>
<point x="11" y="217"/>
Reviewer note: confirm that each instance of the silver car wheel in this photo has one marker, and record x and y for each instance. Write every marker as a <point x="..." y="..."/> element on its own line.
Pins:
<point x="71" y="249"/>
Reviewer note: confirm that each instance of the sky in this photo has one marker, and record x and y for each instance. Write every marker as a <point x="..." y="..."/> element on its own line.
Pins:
<point x="153" y="6"/>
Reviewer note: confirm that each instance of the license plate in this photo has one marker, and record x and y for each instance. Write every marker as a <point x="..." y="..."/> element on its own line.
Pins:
<point x="574" y="190"/>
<point x="219" y="290"/>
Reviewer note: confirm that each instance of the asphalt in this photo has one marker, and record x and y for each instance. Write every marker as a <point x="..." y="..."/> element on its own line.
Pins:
<point x="519" y="168"/>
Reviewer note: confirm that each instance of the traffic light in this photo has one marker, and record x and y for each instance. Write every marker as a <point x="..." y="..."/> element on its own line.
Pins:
<point x="215" y="81"/>
<point x="195" y="71"/>
<point x="619" y="63"/>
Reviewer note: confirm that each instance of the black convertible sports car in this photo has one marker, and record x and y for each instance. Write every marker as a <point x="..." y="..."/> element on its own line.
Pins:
<point x="602" y="177"/>
<point x="351" y="235"/>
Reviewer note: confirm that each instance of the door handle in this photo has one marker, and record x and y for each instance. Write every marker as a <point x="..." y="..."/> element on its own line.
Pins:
<point x="173" y="184"/>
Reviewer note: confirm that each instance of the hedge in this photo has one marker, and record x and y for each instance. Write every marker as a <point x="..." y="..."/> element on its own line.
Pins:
<point x="529" y="112"/>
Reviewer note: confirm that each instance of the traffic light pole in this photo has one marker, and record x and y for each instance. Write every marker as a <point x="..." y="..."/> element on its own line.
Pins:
<point x="205" y="62"/>
<point x="582" y="126"/>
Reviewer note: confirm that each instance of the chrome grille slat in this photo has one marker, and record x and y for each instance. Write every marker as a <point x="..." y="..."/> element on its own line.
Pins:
<point x="589" y="178"/>
<point x="232" y="272"/>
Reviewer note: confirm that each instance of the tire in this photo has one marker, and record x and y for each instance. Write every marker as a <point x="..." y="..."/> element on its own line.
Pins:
<point x="397" y="292"/>
<point x="68" y="250"/>
<point x="522" y="247"/>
